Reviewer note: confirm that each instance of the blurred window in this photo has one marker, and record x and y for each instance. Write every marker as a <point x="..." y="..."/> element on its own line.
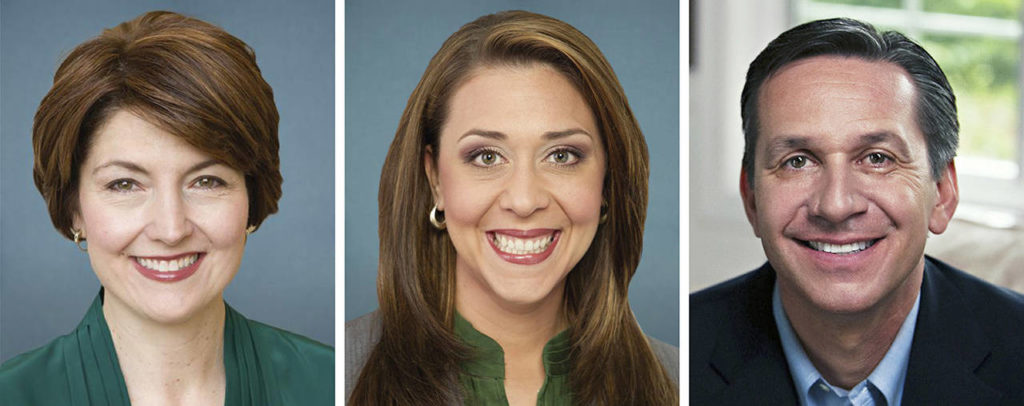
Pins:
<point x="978" y="44"/>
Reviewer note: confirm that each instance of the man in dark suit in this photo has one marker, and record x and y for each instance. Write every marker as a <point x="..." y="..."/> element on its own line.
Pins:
<point x="848" y="164"/>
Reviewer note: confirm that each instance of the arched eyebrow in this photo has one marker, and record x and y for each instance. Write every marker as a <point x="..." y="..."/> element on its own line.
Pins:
<point x="131" y="166"/>
<point x="550" y="135"/>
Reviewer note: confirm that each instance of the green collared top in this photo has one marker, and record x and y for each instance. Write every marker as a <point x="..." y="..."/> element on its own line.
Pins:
<point x="263" y="366"/>
<point x="483" y="377"/>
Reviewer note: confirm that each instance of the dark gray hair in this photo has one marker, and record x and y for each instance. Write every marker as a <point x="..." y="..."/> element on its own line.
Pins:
<point x="935" y="104"/>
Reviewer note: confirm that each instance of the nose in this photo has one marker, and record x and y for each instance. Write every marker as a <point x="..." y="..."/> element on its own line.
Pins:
<point x="525" y="192"/>
<point x="168" y="218"/>
<point x="838" y="196"/>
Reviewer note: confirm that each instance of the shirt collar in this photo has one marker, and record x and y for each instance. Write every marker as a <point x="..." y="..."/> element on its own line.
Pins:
<point x="489" y="358"/>
<point x="887" y="378"/>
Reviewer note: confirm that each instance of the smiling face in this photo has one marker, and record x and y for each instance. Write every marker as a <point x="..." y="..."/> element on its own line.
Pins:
<point x="165" y="223"/>
<point x="843" y="198"/>
<point x="519" y="174"/>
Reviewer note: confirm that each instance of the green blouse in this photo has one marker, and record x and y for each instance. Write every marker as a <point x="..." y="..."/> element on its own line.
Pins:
<point x="483" y="377"/>
<point x="264" y="366"/>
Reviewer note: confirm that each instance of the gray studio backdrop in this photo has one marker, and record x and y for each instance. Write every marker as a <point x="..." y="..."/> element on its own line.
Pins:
<point x="287" y="274"/>
<point x="388" y="45"/>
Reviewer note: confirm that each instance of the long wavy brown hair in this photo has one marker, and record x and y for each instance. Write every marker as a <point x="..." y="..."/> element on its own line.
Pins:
<point x="417" y="358"/>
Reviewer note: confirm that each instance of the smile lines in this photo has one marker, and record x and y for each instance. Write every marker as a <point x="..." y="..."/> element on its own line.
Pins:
<point x="840" y="249"/>
<point x="522" y="246"/>
<point x="167" y="265"/>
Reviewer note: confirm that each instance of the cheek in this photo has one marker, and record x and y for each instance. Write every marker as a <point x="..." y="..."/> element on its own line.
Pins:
<point x="465" y="200"/>
<point x="107" y="226"/>
<point x="777" y="204"/>
<point x="223" y="222"/>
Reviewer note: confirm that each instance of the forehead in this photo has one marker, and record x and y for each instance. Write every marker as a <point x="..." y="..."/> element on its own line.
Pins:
<point x="837" y="97"/>
<point x="528" y="99"/>
<point x="125" y="135"/>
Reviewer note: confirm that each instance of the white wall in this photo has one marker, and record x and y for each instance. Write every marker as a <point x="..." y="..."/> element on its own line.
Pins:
<point x="727" y="35"/>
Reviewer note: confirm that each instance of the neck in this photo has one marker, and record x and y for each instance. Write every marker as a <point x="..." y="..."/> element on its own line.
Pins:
<point x="522" y="331"/>
<point x="846" y="347"/>
<point x="519" y="329"/>
<point x="163" y="363"/>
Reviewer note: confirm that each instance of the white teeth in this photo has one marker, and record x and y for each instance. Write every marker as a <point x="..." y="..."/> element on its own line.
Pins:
<point x="841" y="249"/>
<point x="167" y="266"/>
<point x="518" y="246"/>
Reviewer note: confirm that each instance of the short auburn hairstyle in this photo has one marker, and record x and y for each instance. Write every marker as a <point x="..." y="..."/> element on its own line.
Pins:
<point x="188" y="77"/>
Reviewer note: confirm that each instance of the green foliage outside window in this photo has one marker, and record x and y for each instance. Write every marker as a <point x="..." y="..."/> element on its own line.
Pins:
<point x="984" y="73"/>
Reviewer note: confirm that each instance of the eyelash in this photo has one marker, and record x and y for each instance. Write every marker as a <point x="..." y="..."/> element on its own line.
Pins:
<point x="886" y="160"/>
<point x="788" y="163"/>
<point x="114" y="185"/>
<point x="575" y="156"/>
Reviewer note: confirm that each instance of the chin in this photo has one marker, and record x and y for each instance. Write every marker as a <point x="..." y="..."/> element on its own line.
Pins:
<point x="522" y="294"/>
<point x="173" y="310"/>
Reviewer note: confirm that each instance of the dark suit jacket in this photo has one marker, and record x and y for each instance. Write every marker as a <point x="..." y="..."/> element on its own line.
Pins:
<point x="968" y="346"/>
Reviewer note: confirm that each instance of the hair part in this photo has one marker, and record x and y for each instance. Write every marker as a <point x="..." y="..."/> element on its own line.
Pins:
<point x="934" y="102"/>
<point x="416" y="280"/>
<point x="185" y="76"/>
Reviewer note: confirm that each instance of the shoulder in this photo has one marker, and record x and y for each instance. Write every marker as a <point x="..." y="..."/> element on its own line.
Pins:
<point x="979" y="293"/>
<point x="361" y="336"/>
<point x="668" y="355"/>
<point x="292" y="351"/>
<point x="298" y="364"/>
<point x="997" y="310"/>
<point x="742" y="296"/>
<point x="36" y="377"/>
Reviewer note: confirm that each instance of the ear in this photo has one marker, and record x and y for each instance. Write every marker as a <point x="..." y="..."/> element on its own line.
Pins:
<point x="948" y="198"/>
<point x="76" y="221"/>
<point x="430" y="167"/>
<point x="749" y="202"/>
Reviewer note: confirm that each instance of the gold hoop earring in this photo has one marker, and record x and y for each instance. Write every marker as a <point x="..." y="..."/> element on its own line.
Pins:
<point x="251" y="229"/>
<point x="604" y="212"/>
<point x="434" y="214"/>
<point x="77" y="237"/>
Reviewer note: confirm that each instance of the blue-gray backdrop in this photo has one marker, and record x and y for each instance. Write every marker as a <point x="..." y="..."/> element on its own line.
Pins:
<point x="287" y="274"/>
<point x="387" y="47"/>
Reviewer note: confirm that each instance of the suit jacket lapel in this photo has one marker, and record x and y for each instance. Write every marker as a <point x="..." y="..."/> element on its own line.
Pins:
<point x="948" y="347"/>
<point x="748" y="355"/>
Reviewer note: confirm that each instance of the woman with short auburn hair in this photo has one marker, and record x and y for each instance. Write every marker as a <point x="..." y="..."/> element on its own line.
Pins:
<point x="156" y="152"/>
<point x="512" y="203"/>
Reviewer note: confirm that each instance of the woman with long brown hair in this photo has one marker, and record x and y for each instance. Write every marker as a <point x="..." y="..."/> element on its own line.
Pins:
<point x="512" y="203"/>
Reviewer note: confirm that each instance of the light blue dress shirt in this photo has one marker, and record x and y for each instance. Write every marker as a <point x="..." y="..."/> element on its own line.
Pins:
<point x="884" y="387"/>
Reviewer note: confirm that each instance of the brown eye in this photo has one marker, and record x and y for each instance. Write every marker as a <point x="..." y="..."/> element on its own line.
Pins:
<point x="797" y="162"/>
<point x="877" y="158"/>
<point x="208" y="182"/>
<point x="121" y="185"/>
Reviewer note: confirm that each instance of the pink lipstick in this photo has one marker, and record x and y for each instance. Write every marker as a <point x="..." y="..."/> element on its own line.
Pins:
<point x="170" y="268"/>
<point x="524" y="247"/>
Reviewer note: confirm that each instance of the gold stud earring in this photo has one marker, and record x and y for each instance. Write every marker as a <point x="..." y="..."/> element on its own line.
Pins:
<point x="78" y="238"/>
<point x="251" y="229"/>
<point x="604" y="212"/>
<point x="434" y="215"/>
